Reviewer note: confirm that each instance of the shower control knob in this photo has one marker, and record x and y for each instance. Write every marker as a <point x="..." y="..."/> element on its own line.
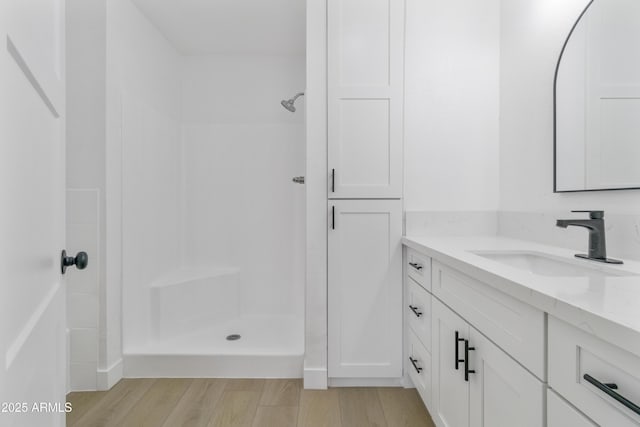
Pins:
<point x="298" y="179"/>
<point x="81" y="260"/>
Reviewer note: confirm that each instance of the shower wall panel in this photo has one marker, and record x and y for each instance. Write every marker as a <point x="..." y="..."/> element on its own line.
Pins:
<point x="143" y="161"/>
<point x="241" y="149"/>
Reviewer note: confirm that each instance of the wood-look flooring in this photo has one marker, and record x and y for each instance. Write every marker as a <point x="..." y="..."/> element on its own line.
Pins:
<point x="238" y="403"/>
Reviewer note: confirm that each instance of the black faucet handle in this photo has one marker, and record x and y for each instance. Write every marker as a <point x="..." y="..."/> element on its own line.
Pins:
<point x="592" y="214"/>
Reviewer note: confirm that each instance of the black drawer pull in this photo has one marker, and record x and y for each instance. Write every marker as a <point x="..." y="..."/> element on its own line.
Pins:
<point x="333" y="180"/>
<point x="609" y="390"/>
<point x="333" y="217"/>
<point x="467" y="371"/>
<point x="416" y="265"/>
<point x="415" y="311"/>
<point x="414" y="362"/>
<point x="457" y="341"/>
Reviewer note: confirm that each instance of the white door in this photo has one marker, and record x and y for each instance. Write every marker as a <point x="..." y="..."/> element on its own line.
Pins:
<point x="365" y="289"/>
<point x="450" y="390"/>
<point x="503" y="393"/>
<point x="32" y="296"/>
<point x="365" y="98"/>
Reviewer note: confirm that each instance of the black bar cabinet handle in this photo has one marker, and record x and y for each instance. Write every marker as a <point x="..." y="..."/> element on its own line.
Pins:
<point x="467" y="371"/>
<point x="415" y="265"/>
<point x="414" y="362"/>
<point x="607" y="389"/>
<point x="457" y="341"/>
<point x="333" y="217"/>
<point x="415" y="311"/>
<point x="333" y="180"/>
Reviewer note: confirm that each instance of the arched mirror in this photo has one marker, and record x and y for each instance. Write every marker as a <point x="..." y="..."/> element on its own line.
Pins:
<point x="597" y="100"/>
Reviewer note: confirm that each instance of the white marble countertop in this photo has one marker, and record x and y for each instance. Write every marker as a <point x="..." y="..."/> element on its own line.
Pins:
<point x="608" y="307"/>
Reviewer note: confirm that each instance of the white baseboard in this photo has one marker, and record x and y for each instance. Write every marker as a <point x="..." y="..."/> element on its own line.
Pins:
<point x="109" y="377"/>
<point x="315" y="379"/>
<point x="406" y="382"/>
<point x="366" y="382"/>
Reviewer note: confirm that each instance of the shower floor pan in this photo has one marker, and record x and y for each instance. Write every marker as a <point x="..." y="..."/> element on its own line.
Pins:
<point x="269" y="347"/>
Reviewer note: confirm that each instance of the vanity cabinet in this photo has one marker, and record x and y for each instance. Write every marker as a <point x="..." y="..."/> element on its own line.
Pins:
<point x="486" y="348"/>
<point x="498" y="361"/>
<point x="365" y="289"/>
<point x="475" y="383"/>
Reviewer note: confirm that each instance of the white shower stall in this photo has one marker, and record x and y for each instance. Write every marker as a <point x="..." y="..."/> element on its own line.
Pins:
<point x="212" y="224"/>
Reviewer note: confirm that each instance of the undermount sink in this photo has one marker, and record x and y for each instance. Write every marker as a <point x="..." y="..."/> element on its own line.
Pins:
<point x="549" y="265"/>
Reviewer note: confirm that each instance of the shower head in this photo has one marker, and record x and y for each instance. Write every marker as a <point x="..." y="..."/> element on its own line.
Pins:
<point x="289" y="104"/>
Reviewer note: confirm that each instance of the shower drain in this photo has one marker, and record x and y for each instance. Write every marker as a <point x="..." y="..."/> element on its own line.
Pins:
<point x="233" y="337"/>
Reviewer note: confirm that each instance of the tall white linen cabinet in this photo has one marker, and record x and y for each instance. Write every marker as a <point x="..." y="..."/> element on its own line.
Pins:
<point x="365" y="90"/>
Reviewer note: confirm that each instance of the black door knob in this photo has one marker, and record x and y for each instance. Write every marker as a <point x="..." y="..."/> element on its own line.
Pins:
<point x="81" y="260"/>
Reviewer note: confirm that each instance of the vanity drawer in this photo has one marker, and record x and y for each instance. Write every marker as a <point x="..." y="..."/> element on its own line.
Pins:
<point x="418" y="311"/>
<point x="574" y="353"/>
<point x="514" y="326"/>
<point x="419" y="359"/>
<point x="419" y="268"/>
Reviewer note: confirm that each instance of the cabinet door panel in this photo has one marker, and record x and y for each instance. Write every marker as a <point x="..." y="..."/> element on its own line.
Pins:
<point x="450" y="391"/>
<point x="561" y="414"/>
<point x="365" y="289"/>
<point x="502" y="393"/>
<point x="365" y="98"/>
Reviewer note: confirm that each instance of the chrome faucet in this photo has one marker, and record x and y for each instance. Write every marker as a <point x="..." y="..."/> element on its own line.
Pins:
<point x="597" y="244"/>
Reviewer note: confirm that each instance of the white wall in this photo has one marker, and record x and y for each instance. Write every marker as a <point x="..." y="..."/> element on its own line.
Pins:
<point x="143" y="134"/>
<point x="315" y="360"/>
<point x="571" y="113"/>
<point x="241" y="149"/>
<point x="452" y="105"/>
<point x="533" y="32"/>
<point x="124" y="90"/>
<point x="85" y="181"/>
